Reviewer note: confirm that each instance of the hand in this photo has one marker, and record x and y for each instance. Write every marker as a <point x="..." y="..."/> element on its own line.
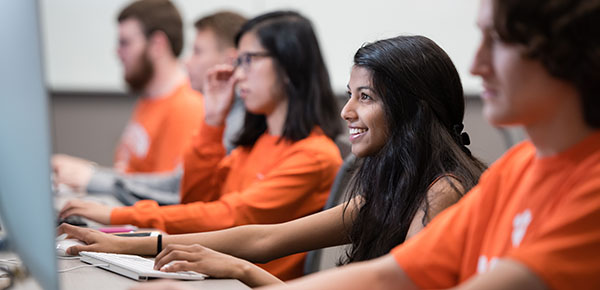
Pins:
<point x="72" y="171"/>
<point x="96" y="241"/>
<point x="161" y="285"/>
<point x="88" y="209"/>
<point x="219" y="88"/>
<point x="200" y="259"/>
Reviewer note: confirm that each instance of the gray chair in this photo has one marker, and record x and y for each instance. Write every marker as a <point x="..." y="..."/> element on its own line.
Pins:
<point x="326" y="258"/>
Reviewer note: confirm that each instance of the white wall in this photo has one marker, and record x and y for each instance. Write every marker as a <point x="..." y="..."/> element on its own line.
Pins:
<point x="80" y="36"/>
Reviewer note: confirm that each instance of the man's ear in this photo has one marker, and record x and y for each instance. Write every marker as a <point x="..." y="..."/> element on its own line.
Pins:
<point x="158" y="44"/>
<point x="230" y="55"/>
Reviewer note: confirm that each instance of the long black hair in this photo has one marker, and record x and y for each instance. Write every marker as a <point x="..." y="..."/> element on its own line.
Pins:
<point x="423" y="106"/>
<point x="290" y="40"/>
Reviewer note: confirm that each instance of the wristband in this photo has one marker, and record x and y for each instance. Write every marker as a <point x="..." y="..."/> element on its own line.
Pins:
<point x="158" y="244"/>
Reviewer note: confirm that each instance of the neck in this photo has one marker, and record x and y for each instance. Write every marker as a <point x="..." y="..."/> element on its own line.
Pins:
<point x="276" y="119"/>
<point x="167" y="76"/>
<point x="563" y="130"/>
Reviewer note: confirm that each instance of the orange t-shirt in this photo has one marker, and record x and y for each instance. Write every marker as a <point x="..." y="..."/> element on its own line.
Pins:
<point x="159" y="131"/>
<point x="541" y="212"/>
<point x="272" y="182"/>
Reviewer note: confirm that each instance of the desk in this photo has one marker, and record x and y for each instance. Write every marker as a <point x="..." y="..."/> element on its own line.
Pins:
<point x="94" y="278"/>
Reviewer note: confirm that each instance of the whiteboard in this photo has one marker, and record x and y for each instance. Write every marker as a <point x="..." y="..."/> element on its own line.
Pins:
<point x="80" y="37"/>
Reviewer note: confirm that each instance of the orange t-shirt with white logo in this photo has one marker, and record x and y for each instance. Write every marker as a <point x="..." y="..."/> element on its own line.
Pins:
<point x="541" y="212"/>
<point x="159" y="131"/>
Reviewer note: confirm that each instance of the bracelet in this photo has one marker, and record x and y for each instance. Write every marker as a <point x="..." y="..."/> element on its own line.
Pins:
<point x="158" y="244"/>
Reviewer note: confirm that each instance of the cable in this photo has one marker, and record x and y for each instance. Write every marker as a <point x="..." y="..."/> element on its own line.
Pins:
<point x="69" y="258"/>
<point x="11" y="261"/>
<point x="81" y="266"/>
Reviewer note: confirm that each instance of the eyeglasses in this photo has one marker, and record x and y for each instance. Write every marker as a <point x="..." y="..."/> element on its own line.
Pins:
<point x="245" y="59"/>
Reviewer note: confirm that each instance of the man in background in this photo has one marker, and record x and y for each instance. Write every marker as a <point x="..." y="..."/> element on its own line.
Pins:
<point x="214" y="44"/>
<point x="168" y="110"/>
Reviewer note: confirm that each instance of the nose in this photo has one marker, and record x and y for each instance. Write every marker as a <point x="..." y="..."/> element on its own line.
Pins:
<point x="348" y="113"/>
<point x="481" y="64"/>
<point x="239" y="73"/>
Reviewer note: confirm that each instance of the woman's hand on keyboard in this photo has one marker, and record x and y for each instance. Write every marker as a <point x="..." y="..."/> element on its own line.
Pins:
<point x="92" y="210"/>
<point x="175" y="258"/>
<point x="95" y="241"/>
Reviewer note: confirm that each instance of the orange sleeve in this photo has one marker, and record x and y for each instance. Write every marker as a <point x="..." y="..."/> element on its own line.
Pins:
<point x="432" y="258"/>
<point x="298" y="186"/>
<point x="205" y="165"/>
<point x="176" y="133"/>
<point x="566" y="251"/>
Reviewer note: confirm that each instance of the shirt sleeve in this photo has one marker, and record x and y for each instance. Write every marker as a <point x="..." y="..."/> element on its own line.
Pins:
<point x="298" y="186"/>
<point x="565" y="252"/>
<point x="205" y="166"/>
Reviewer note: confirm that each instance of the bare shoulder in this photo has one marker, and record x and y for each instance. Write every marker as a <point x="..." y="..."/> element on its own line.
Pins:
<point x="443" y="193"/>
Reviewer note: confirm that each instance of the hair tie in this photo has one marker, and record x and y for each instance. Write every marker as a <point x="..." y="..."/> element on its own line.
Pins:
<point x="462" y="138"/>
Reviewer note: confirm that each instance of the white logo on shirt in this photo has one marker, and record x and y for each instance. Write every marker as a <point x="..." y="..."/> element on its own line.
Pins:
<point x="520" y="224"/>
<point x="483" y="265"/>
<point x="135" y="140"/>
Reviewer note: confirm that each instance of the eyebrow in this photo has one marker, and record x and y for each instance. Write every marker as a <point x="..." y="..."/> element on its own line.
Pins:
<point x="361" y="88"/>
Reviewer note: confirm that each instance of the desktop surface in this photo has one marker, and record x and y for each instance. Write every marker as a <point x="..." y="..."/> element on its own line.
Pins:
<point x="93" y="278"/>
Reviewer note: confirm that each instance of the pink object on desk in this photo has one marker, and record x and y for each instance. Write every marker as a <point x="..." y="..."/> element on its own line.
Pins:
<point x="112" y="230"/>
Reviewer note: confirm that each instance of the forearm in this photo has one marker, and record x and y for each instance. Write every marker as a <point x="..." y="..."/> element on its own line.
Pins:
<point x="263" y="243"/>
<point x="253" y="238"/>
<point x="253" y="275"/>
<point x="159" y="181"/>
<point x="143" y="246"/>
<point x="203" y="172"/>
<point x="381" y="273"/>
<point x="102" y="180"/>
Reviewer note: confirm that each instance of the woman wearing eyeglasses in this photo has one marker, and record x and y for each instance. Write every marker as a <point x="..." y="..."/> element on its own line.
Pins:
<point x="285" y="161"/>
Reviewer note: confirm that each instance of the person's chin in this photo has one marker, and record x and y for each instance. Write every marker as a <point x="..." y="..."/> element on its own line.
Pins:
<point x="358" y="151"/>
<point x="495" y="116"/>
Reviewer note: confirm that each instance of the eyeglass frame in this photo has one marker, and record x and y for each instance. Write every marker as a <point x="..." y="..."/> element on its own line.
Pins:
<point x="244" y="60"/>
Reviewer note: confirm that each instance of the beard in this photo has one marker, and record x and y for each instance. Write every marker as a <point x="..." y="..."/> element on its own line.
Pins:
<point x="141" y="74"/>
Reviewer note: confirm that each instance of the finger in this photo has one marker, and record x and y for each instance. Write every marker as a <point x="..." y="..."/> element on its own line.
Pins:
<point x="69" y="205"/>
<point x="224" y="75"/>
<point x="167" y="250"/>
<point x="70" y="230"/>
<point x="178" y="266"/>
<point x="74" y="250"/>
<point x="171" y="256"/>
<point x="72" y="211"/>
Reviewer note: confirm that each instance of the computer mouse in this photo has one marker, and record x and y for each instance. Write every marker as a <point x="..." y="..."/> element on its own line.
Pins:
<point x="63" y="245"/>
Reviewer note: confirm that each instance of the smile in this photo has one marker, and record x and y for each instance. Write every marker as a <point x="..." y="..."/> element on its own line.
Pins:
<point x="356" y="133"/>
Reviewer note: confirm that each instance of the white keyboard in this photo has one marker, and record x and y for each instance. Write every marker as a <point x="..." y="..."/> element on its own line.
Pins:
<point x="134" y="267"/>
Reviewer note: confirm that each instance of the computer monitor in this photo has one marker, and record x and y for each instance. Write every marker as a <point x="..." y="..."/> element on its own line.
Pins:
<point x="26" y="206"/>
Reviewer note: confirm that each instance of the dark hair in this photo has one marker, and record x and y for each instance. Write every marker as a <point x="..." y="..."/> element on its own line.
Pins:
<point x="423" y="103"/>
<point x="564" y="35"/>
<point x="157" y="15"/>
<point x="290" y="40"/>
<point x="224" y="24"/>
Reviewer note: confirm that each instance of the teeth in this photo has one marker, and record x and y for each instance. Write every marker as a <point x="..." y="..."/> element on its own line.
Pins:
<point x="354" y="131"/>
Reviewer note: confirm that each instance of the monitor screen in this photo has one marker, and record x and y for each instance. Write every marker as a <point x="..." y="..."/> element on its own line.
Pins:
<point x="26" y="207"/>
